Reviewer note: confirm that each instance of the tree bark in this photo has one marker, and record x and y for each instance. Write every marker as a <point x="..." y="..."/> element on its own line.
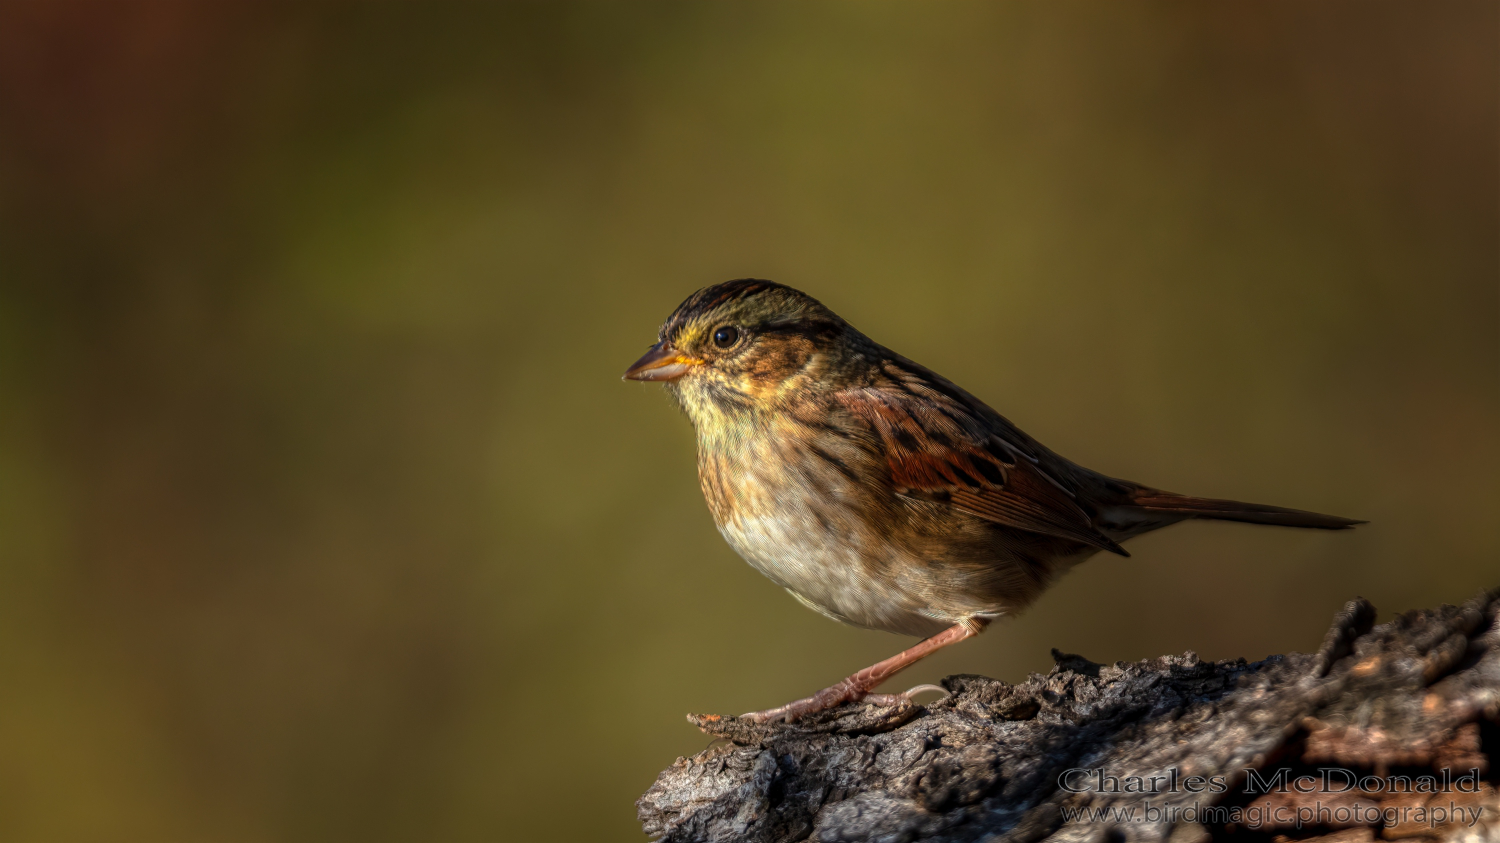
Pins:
<point x="1197" y="750"/>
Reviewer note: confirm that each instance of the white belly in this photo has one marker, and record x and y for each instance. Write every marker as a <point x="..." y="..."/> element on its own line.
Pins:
<point x="825" y="558"/>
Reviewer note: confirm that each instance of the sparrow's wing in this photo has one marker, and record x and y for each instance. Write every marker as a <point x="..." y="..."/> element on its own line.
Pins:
<point x="941" y="448"/>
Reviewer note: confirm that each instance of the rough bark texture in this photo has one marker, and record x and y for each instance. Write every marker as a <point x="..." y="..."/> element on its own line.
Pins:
<point x="1411" y="698"/>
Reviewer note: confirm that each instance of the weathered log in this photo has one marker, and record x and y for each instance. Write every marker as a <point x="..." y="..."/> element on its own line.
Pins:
<point x="1222" y="750"/>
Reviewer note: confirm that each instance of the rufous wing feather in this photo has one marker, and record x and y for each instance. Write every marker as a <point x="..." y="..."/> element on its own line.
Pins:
<point x="939" y="450"/>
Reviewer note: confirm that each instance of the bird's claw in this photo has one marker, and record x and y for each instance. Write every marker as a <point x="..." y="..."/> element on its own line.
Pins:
<point x="905" y="696"/>
<point x="911" y="692"/>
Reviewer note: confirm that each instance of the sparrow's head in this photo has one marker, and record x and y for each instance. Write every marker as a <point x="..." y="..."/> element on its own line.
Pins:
<point x="742" y="345"/>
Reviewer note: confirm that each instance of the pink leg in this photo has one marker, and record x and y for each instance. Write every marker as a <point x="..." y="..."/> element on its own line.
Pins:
<point x="859" y="686"/>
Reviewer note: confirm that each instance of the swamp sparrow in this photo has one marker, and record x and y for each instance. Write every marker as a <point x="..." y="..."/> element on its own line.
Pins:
<point x="878" y="492"/>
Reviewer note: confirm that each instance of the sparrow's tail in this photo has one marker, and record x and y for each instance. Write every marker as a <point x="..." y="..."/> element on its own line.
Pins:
<point x="1155" y="501"/>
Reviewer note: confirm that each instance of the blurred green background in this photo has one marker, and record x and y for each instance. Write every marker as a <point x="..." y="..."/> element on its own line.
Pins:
<point x="324" y="514"/>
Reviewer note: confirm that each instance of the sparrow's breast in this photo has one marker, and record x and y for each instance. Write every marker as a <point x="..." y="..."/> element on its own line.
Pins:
<point x="809" y="516"/>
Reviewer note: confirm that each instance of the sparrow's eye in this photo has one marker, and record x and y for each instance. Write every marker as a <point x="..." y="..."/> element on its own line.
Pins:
<point x="726" y="336"/>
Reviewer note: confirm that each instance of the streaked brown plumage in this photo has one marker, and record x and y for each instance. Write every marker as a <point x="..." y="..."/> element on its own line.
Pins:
<point x="878" y="492"/>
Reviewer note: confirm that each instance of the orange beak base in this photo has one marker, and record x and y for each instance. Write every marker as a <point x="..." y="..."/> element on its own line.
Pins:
<point x="661" y="363"/>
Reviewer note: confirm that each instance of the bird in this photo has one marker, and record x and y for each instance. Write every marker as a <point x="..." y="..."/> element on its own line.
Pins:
<point x="879" y="493"/>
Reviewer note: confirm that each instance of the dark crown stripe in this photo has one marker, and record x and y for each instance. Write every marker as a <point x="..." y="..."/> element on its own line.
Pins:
<point x="721" y="294"/>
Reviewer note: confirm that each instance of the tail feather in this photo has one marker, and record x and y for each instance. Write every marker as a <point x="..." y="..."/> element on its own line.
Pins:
<point x="1157" y="501"/>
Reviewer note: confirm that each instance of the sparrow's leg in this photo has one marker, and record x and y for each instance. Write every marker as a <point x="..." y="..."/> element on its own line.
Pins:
<point x="859" y="686"/>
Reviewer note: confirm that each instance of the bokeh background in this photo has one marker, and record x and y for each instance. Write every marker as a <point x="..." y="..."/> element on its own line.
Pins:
<point x="324" y="514"/>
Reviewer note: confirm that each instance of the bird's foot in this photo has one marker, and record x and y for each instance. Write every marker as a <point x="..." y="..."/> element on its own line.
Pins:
<point x="860" y="685"/>
<point x="849" y="690"/>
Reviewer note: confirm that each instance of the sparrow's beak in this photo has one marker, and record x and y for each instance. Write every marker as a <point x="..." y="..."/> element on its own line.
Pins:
<point x="661" y="363"/>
